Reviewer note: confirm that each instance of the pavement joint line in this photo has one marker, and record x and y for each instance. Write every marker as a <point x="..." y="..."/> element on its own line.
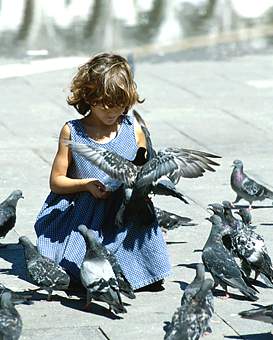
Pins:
<point x="228" y="324"/>
<point x="5" y="126"/>
<point x="242" y="120"/>
<point x="103" y="333"/>
<point x="187" y="136"/>
<point x="37" y="153"/>
<point x="172" y="83"/>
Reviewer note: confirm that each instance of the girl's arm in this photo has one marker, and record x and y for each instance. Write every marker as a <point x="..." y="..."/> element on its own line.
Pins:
<point x="60" y="183"/>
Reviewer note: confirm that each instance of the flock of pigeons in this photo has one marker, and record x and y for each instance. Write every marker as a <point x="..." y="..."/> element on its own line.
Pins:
<point x="101" y="275"/>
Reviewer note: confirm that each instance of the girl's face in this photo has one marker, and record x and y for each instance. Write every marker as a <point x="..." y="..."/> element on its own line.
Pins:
<point x="107" y="116"/>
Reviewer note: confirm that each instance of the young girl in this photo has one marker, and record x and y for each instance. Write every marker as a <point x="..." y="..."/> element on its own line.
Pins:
<point x="103" y="91"/>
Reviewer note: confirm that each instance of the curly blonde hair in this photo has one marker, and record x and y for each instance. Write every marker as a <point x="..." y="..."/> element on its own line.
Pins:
<point x="107" y="80"/>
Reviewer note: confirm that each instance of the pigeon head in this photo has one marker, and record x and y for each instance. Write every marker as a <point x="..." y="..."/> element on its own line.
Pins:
<point x="6" y="300"/>
<point x="245" y="214"/>
<point x="227" y="205"/>
<point x="215" y="219"/>
<point x="200" y="271"/>
<point x="30" y="250"/>
<point x="25" y="241"/>
<point x="14" y="197"/>
<point x="216" y="208"/>
<point x="237" y="163"/>
<point x="88" y="236"/>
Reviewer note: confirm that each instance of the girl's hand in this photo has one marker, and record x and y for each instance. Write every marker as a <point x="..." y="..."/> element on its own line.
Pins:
<point x="97" y="189"/>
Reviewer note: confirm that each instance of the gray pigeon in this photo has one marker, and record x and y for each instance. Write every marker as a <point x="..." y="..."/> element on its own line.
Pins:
<point x="17" y="297"/>
<point x="97" y="274"/>
<point x="10" y="320"/>
<point x="44" y="273"/>
<point x="190" y="320"/>
<point x="249" y="246"/>
<point x="264" y="314"/>
<point x="220" y="263"/>
<point x="246" y="187"/>
<point x="246" y="217"/>
<point x="8" y="212"/>
<point x="140" y="181"/>
<point x="193" y="288"/>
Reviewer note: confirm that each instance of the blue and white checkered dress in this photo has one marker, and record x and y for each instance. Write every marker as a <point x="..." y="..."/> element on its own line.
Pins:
<point x="141" y="252"/>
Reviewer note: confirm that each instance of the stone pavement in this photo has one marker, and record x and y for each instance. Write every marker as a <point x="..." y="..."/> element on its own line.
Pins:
<point x="223" y="107"/>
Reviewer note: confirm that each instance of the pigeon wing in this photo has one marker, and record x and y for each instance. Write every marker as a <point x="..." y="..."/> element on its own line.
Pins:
<point x="45" y="273"/>
<point x="252" y="188"/>
<point x="190" y="163"/>
<point x="110" y="162"/>
<point x="150" y="150"/>
<point x="157" y="167"/>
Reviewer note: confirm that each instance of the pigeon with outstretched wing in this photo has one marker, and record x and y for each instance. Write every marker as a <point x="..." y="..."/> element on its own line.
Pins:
<point x="140" y="181"/>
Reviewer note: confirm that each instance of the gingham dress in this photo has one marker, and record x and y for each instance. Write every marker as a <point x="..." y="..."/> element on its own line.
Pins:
<point x="141" y="252"/>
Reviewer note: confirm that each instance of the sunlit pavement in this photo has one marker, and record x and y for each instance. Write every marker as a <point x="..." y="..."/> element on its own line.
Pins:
<point x="222" y="106"/>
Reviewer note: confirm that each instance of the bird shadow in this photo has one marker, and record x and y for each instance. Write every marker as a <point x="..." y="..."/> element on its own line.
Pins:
<point x="188" y="265"/>
<point x="176" y="242"/>
<point x="93" y="308"/>
<point x="257" y="336"/>
<point x="239" y="206"/>
<point x="78" y="304"/>
<point x="265" y="224"/>
<point x="14" y="254"/>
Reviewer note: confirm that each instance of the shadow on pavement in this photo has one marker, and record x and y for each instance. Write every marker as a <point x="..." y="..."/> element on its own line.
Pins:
<point x="259" y="336"/>
<point x="14" y="254"/>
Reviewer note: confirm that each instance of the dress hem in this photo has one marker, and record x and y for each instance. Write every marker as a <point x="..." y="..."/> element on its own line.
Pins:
<point x="153" y="280"/>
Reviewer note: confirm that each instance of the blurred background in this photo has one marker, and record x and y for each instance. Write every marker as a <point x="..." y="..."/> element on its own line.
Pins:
<point x="188" y="29"/>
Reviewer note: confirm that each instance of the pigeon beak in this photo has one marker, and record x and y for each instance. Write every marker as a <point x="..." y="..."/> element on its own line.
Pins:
<point x="210" y="210"/>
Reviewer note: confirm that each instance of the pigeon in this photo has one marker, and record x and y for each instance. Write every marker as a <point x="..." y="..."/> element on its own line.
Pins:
<point x="170" y="221"/>
<point x="17" y="297"/>
<point x="190" y="320"/>
<point x="44" y="272"/>
<point x="264" y="314"/>
<point x="193" y="288"/>
<point x="246" y="217"/>
<point x="97" y="274"/>
<point x="140" y="181"/>
<point x="8" y="212"/>
<point x="10" y="320"/>
<point x="250" y="247"/>
<point x="246" y="187"/>
<point x="220" y="263"/>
